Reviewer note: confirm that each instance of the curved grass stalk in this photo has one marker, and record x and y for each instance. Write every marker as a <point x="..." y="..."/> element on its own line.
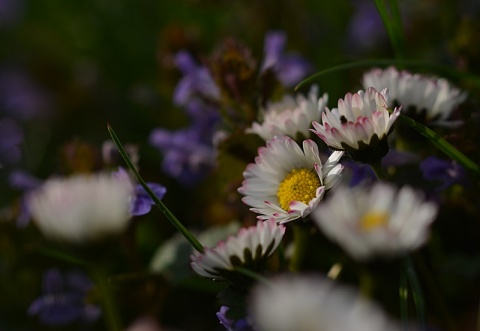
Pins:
<point x="439" y="69"/>
<point x="168" y="214"/>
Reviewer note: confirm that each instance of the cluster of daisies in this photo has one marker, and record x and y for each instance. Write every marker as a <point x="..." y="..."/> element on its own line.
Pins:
<point x="288" y="182"/>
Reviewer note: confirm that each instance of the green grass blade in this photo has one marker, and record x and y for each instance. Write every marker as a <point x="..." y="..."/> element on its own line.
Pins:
<point x="440" y="70"/>
<point x="176" y="223"/>
<point x="442" y="145"/>
<point x="392" y="25"/>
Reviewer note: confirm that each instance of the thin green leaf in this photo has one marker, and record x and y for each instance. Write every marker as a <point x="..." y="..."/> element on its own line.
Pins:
<point x="176" y="223"/>
<point x="392" y="26"/>
<point x="442" y="145"/>
<point x="441" y="70"/>
<point x="417" y="292"/>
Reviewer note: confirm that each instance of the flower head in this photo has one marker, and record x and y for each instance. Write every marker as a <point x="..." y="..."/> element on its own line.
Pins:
<point x="250" y="248"/>
<point x="286" y="182"/>
<point x="63" y="299"/>
<point x="360" y="125"/>
<point x="290" y="115"/>
<point x="308" y="303"/>
<point x="81" y="208"/>
<point x="377" y="221"/>
<point x="430" y="100"/>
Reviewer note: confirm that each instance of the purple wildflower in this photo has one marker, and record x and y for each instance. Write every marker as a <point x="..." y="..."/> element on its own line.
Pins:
<point x="63" y="299"/>
<point x="11" y="136"/>
<point x="20" y="96"/>
<point x="359" y="173"/>
<point x="232" y="325"/>
<point x="141" y="203"/>
<point x="290" y="68"/>
<point x="187" y="156"/>
<point x="23" y="181"/>
<point x="10" y="12"/>
<point x="447" y="172"/>
<point x="366" y="28"/>
<point x="197" y="82"/>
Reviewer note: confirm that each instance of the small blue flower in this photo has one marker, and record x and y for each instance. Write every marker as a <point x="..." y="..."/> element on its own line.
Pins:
<point x="197" y="82"/>
<point x="365" y="29"/>
<point x="142" y="204"/>
<point x="20" y="97"/>
<point x="25" y="182"/>
<point x="11" y="136"/>
<point x="447" y="172"/>
<point x="185" y="156"/>
<point x="232" y="325"/>
<point x="63" y="299"/>
<point x="290" y="68"/>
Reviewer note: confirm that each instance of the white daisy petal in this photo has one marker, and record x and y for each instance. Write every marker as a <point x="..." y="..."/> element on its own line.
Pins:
<point x="358" y="118"/>
<point x="290" y="116"/>
<point x="216" y="262"/>
<point x="380" y="221"/>
<point x="420" y="93"/>
<point x="82" y="208"/>
<point x="311" y="303"/>
<point x="295" y="187"/>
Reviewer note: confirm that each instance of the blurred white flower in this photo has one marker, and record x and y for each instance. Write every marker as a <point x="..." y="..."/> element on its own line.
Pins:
<point x="376" y="221"/>
<point x="290" y="116"/>
<point x="433" y="96"/>
<point x="360" y="125"/>
<point x="286" y="182"/>
<point x="308" y="303"/>
<point x="81" y="208"/>
<point x="249" y="248"/>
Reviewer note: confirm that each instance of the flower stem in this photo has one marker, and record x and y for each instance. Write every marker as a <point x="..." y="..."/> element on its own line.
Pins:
<point x="253" y="275"/>
<point x="392" y="25"/>
<point x="176" y="223"/>
<point x="403" y="294"/>
<point x="109" y="308"/>
<point x="378" y="170"/>
<point x="417" y="293"/>
<point x="300" y="241"/>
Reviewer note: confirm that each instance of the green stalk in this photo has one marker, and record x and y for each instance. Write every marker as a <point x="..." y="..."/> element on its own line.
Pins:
<point x="392" y="26"/>
<point x="253" y="275"/>
<point x="300" y="241"/>
<point x="109" y="308"/>
<point x="442" y="145"/>
<point x="378" y="170"/>
<point x="417" y="293"/>
<point x="397" y="27"/>
<point x="176" y="223"/>
<point x="403" y="294"/>
<point x="439" y="69"/>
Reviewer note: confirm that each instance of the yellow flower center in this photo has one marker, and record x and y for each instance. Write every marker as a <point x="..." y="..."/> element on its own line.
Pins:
<point x="298" y="185"/>
<point x="373" y="220"/>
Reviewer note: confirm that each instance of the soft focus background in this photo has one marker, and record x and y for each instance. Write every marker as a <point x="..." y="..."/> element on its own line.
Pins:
<point x="69" y="67"/>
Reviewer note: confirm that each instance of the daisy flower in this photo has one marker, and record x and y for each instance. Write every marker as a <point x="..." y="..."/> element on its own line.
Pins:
<point x="377" y="221"/>
<point x="250" y="248"/>
<point x="430" y="100"/>
<point x="290" y="116"/>
<point x="81" y="208"/>
<point x="360" y="125"/>
<point x="286" y="182"/>
<point x="309" y="303"/>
